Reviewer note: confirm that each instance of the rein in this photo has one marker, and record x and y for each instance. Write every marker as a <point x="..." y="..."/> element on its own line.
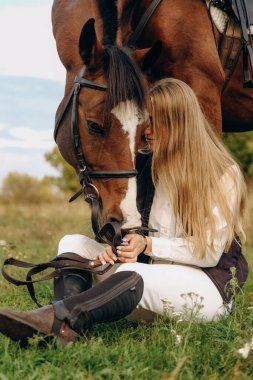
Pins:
<point x="60" y="264"/>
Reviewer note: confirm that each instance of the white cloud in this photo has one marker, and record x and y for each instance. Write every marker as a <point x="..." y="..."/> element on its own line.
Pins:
<point x="27" y="43"/>
<point x="33" y="164"/>
<point x="28" y="138"/>
<point x="2" y="126"/>
<point x="28" y="133"/>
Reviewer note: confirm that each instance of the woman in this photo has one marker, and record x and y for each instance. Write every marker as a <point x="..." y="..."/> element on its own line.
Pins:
<point x="198" y="210"/>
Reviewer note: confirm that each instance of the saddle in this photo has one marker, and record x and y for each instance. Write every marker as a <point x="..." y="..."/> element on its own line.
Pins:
<point x="234" y="20"/>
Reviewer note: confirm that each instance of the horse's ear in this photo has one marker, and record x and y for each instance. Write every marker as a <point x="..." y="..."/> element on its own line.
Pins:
<point x="147" y="57"/>
<point x="88" y="43"/>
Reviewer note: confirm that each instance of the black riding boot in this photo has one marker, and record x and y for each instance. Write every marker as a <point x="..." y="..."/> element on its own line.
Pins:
<point x="73" y="282"/>
<point x="110" y="300"/>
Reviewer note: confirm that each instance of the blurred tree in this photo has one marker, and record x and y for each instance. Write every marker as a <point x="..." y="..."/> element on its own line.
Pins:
<point x="241" y="147"/>
<point x="68" y="180"/>
<point x="23" y="188"/>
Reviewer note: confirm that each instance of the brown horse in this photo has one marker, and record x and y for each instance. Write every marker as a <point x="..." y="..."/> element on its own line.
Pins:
<point x="110" y="122"/>
<point x="189" y="53"/>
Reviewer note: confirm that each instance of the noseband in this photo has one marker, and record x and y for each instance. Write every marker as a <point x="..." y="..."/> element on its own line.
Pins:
<point x="111" y="232"/>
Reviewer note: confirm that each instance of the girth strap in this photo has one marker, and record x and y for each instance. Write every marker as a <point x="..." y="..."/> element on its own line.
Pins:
<point x="143" y="22"/>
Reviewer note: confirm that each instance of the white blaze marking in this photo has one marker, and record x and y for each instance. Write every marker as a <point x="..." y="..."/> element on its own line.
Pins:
<point x="128" y="115"/>
<point x="128" y="206"/>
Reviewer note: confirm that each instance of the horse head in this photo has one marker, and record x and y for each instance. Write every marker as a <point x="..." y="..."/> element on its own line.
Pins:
<point x="110" y="116"/>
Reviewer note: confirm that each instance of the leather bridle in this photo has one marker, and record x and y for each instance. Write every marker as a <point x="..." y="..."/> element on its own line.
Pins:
<point x="110" y="232"/>
<point x="84" y="174"/>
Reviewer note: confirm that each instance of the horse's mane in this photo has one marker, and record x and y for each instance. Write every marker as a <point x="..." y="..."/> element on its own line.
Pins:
<point x="123" y="74"/>
<point x="124" y="78"/>
<point x="109" y="14"/>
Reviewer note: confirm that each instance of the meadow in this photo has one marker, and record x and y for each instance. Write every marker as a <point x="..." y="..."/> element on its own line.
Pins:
<point x="167" y="349"/>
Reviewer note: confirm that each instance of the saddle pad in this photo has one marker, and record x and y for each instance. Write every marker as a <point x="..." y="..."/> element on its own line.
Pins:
<point x="221" y="20"/>
<point x="219" y="17"/>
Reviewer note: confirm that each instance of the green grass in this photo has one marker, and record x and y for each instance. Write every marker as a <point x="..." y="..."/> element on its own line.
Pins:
<point x="119" y="350"/>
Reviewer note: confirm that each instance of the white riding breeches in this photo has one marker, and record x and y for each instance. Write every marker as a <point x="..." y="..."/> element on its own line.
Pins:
<point x="173" y="289"/>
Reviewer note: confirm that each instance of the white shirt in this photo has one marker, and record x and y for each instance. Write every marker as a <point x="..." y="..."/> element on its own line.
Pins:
<point x="168" y="243"/>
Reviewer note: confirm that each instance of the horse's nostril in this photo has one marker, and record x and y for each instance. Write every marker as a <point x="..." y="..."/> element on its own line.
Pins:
<point x="114" y="218"/>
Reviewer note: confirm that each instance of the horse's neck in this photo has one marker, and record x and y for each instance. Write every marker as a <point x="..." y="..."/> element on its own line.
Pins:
<point x="124" y="6"/>
<point x="129" y="14"/>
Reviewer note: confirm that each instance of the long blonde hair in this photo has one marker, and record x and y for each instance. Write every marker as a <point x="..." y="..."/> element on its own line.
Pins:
<point x="189" y="160"/>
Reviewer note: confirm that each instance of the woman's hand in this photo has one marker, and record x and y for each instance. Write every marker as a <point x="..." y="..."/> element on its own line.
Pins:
<point x="107" y="256"/>
<point x="125" y="253"/>
<point x="130" y="252"/>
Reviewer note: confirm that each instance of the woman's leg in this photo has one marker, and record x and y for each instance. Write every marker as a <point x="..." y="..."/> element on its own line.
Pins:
<point x="107" y="301"/>
<point x="81" y="245"/>
<point x="178" y="289"/>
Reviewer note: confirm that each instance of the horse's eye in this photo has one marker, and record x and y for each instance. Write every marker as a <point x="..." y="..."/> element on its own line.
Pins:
<point x="95" y="128"/>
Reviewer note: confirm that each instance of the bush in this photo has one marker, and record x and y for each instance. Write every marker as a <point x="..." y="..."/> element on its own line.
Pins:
<point x="68" y="180"/>
<point x="23" y="188"/>
<point x="241" y="147"/>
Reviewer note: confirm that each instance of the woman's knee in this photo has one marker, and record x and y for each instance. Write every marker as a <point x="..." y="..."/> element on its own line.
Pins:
<point x="73" y="243"/>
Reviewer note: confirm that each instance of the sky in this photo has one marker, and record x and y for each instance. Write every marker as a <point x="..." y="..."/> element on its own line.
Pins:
<point x="31" y="86"/>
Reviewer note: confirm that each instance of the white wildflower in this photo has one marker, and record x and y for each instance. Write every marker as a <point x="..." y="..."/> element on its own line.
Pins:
<point x="168" y="308"/>
<point x="177" y="314"/>
<point x="245" y="350"/>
